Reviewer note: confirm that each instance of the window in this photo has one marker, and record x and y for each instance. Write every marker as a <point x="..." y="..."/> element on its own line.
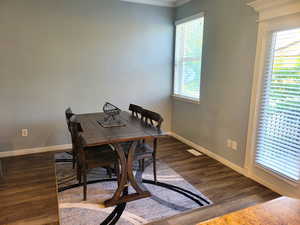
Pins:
<point x="278" y="132"/>
<point x="188" y="57"/>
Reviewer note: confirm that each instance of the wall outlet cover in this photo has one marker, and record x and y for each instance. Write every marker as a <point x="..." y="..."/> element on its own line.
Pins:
<point x="234" y="145"/>
<point x="24" y="132"/>
<point x="229" y="143"/>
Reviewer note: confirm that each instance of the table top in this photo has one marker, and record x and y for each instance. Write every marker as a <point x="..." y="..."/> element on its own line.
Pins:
<point x="94" y="134"/>
<point x="280" y="211"/>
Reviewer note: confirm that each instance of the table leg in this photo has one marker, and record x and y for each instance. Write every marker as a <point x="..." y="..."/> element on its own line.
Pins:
<point x="1" y="169"/>
<point x="126" y="178"/>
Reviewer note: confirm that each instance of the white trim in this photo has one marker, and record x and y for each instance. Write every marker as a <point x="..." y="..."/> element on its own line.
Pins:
<point x="166" y="3"/>
<point x="277" y="175"/>
<point x="270" y="9"/>
<point x="210" y="154"/>
<point x="153" y="2"/>
<point x="186" y="99"/>
<point x="255" y="95"/>
<point x="268" y="185"/>
<point x="187" y="19"/>
<point x="241" y="170"/>
<point x="181" y="2"/>
<point x="264" y="30"/>
<point x="27" y="151"/>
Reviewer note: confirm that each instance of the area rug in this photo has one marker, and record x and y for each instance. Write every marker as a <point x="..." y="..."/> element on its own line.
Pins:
<point x="163" y="203"/>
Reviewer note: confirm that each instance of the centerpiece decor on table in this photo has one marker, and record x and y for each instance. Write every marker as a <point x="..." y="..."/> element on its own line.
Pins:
<point x="112" y="116"/>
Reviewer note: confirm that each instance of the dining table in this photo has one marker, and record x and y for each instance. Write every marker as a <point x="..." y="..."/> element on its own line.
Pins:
<point x="131" y="131"/>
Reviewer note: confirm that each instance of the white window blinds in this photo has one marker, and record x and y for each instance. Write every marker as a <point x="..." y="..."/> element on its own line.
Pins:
<point x="188" y="56"/>
<point x="278" y="140"/>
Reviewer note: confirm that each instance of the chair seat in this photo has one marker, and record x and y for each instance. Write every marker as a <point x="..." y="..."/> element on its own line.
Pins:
<point x="142" y="151"/>
<point x="100" y="156"/>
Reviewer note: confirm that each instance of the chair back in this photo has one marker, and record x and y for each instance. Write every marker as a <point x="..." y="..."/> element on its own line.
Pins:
<point x="152" y="118"/>
<point x="136" y="110"/>
<point x="68" y="114"/>
<point x="75" y="130"/>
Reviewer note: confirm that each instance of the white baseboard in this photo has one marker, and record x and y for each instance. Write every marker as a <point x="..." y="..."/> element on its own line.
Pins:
<point x="268" y="185"/>
<point x="28" y="151"/>
<point x="210" y="154"/>
<point x="243" y="171"/>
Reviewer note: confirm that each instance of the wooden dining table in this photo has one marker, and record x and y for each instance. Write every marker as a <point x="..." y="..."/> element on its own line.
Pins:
<point x="133" y="131"/>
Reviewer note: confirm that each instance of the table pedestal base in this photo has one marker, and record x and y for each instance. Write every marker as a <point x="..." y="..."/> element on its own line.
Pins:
<point x="126" y="178"/>
<point x="127" y="198"/>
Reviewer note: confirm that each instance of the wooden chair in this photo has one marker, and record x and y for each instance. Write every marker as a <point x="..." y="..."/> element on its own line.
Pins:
<point x="144" y="150"/>
<point x="136" y="110"/>
<point x="69" y="114"/>
<point x="90" y="157"/>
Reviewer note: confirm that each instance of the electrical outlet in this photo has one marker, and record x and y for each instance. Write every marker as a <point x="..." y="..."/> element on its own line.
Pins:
<point x="24" y="132"/>
<point x="229" y="143"/>
<point x="234" y="145"/>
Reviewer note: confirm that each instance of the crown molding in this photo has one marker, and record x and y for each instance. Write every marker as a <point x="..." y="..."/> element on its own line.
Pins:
<point x="166" y="3"/>
<point x="270" y="9"/>
<point x="181" y="2"/>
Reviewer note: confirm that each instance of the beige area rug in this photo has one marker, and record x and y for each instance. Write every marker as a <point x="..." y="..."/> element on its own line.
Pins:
<point x="164" y="202"/>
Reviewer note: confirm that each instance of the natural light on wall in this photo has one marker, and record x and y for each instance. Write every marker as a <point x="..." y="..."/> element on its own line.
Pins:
<point x="188" y="57"/>
<point x="278" y="142"/>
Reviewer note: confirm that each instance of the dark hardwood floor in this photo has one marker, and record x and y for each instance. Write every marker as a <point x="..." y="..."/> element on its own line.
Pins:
<point x="28" y="191"/>
<point x="229" y="190"/>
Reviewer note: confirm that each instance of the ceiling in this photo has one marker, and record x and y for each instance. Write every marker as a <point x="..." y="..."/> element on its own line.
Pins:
<point x="168" y="3"/>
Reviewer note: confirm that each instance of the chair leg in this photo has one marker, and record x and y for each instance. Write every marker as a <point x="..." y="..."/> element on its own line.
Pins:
<point x="143" y="165"/>
<point x="154" y="168"/>
<point x="79" y="176"/>
<point x="109" y="172"/>
<point x="117" y="169"/>
<point x="154" y="159"/>
<point x="74" y="160"/>
<point x="84" y="183"/>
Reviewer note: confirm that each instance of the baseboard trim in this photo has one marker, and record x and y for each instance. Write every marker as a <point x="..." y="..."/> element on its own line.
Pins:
<point x="243" y="171"/>
<point x="210" y="154"/>
<point x="27" y="151"/>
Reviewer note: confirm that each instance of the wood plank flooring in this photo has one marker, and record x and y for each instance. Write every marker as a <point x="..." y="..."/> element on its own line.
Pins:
<point x="229" y="190"/>
<point x="28" y="191"/>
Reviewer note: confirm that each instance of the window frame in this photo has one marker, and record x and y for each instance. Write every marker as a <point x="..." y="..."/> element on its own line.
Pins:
<point x="270" y="38"/>
<point x="265" y="30"/>
<point x="179" y="96"/>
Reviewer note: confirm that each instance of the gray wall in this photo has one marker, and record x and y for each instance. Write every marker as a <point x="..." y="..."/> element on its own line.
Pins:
<point x="228" y="62"/>
<point x="60" y="53"/>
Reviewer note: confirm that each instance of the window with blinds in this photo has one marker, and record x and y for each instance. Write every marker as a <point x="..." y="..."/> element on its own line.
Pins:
<point x="278" y="140"/>
<point x="188" y="57"/>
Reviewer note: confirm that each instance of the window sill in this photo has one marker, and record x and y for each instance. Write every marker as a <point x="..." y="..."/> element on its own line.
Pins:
<point x="186" y="99"/>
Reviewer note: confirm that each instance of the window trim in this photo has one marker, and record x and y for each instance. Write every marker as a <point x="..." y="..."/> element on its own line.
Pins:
<point x="186" y="99"/>
<point x="268" y="36"/>
<point x="178" y="96"/>
<point x="264" y="30"/>
<point x="190" y="18"/>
